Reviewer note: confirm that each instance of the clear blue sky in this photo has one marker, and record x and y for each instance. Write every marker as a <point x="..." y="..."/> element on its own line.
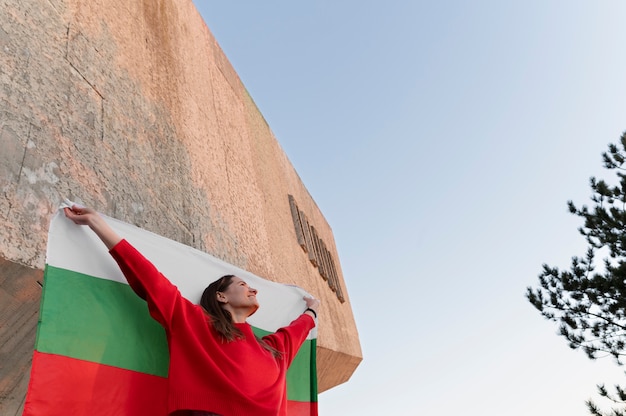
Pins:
<point x="442" y="140"/>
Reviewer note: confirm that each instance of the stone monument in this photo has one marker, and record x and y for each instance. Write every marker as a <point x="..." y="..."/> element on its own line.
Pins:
<point x="131" y="107"/>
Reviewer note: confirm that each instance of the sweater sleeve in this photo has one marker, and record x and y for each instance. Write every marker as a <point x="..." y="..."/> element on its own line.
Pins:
<point x="288" y="339"/>
<point x="147" y="282"/>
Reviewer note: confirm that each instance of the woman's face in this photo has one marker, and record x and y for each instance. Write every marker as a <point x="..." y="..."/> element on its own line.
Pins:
<point x="239" y="295"/>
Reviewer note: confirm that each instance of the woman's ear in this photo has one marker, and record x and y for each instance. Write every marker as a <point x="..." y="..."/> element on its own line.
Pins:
<point x="221" y="297"/>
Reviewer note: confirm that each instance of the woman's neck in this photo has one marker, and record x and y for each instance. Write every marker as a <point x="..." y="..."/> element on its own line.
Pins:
<point x="239" y="318"/>
<point x="239" y="315"/>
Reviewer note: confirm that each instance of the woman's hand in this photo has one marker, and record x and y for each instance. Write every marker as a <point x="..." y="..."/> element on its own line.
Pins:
<point x="81" y="215"/>
<point x="89" y="217"/>
<point x="312" y="303"/>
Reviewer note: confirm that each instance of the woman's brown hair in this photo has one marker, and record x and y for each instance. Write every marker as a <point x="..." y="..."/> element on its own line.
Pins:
<point x="221" y="319"/>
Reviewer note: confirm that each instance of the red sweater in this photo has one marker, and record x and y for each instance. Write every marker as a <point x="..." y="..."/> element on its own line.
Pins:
<point x="238" y="378"/>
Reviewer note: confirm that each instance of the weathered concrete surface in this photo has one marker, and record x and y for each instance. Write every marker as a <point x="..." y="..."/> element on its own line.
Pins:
<point x="131" y="107"/>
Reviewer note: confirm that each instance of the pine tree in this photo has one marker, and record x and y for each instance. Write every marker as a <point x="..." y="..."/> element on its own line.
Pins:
<point x="589" y="303"/>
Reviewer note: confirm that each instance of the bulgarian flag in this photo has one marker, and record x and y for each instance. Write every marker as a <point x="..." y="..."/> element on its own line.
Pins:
<point x="98" y="351"/>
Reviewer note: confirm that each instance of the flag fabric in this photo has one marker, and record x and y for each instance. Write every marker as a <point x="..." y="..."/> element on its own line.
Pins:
<point x="99" y="352"/>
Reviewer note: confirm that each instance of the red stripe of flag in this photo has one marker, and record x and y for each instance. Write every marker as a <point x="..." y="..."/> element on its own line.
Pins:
<point x="95" y="389"/>
<point x="301" y="408"/>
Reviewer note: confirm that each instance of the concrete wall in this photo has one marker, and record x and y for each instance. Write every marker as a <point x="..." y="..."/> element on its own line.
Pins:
<point x="131" y="107"/>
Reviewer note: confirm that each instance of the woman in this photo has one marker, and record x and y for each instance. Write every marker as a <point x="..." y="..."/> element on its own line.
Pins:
<point x="217" y="365"/>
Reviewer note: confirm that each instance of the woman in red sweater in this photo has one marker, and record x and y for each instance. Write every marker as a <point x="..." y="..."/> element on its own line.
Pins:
<point x="217" y="365"/>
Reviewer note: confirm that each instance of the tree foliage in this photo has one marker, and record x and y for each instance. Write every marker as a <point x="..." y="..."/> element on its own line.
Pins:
<point x="589" y="303"/>
<point x="619" y="398"/>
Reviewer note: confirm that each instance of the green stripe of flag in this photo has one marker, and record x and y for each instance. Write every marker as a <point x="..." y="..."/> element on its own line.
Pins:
<point x="101" y="321"/>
